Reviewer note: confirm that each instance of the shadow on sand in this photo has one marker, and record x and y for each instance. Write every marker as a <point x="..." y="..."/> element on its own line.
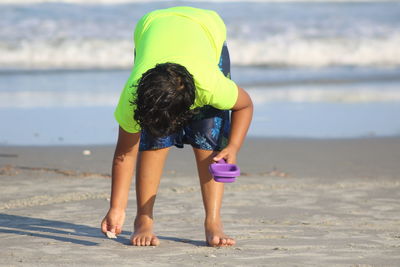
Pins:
<point x="67" y="232"/>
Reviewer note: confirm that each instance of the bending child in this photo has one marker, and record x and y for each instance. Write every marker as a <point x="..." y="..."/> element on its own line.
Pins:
<point x="179" y="92"/>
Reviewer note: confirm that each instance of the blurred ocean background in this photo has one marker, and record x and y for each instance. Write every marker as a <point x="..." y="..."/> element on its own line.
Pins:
<point x="315" y="69"/>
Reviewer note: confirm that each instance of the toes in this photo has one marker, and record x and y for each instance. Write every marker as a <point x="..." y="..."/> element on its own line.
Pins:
<point x="214" y="241"/>
<point x="230" y="242"/>
<point x="155" y="241"/>
<point x="217" y="241"/>
<point x="133" y="240"/>
<point x="137" y="241"/>
<point x="223" y="241"/>
<point x="227" y="241"/>
<point x="148" y="241"/>
<point x="145" y="241"/>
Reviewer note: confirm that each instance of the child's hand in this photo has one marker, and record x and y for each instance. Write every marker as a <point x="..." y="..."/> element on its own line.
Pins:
<point x="113" y="221"/>
<point x="229" y="154"/>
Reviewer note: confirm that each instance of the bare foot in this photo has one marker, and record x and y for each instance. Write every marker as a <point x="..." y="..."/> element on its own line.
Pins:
<point x="215" y="236"/>
<point x="143" y="234"/>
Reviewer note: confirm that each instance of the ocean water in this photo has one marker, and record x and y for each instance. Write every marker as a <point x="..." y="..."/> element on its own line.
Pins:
<point x="314" y="69"/>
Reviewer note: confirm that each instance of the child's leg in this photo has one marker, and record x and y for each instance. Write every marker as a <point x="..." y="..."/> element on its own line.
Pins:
<point x="148" y="174"/>
<point x="212" y="193"/>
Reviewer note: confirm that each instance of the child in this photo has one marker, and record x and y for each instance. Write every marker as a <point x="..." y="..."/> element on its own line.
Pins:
<point x="177" y="93"/>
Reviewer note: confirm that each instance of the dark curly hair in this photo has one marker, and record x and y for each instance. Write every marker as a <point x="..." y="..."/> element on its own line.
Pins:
<point x="163" y="99"/>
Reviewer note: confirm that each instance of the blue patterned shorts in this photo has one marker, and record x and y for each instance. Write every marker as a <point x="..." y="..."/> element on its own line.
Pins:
<point x="208" y="129"/>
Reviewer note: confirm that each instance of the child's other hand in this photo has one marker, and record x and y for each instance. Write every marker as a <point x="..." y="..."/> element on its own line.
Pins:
<point x="229" y="154"/>
<point x="113" y="221"/>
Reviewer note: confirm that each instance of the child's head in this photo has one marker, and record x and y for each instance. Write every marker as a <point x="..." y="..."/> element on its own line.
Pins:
<point x="165" y="94"/>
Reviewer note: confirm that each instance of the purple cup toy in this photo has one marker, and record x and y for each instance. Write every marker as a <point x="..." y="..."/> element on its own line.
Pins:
<point x="224" y="172"/>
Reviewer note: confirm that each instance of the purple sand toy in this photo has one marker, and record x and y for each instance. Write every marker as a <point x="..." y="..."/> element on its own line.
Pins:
<point x="224" y="172"/>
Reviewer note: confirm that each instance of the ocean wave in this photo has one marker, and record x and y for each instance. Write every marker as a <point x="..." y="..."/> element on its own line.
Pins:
<point x="94" y="37"/>
<point x="337" y="95"/>
<point x="281" y="51"/>
<point x="52" y="99"/>
<point x="49" y="99"/>
<point x="67" y="54"/>
<point x="322" y="52"/>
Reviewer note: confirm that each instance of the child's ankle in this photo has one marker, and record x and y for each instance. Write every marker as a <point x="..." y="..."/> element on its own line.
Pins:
<point x="212" y="220"/>
<point x="144" y="217"/>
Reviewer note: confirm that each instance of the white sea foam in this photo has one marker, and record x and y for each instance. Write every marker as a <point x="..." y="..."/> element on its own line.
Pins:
<point x="48" y="99"/>
<point x="97" y="53"/>
<point x="300" y="52"/>
<point x="68" y="54"/>
<point x="77" y="36"/>
<point x="51" y="99"/>
<point x="339" y="95"/>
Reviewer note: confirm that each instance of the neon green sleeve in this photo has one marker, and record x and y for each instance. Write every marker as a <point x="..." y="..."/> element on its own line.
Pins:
<point x="125" y="109"/>
<point x="225" y="95"/>
<point x="216" y="90"/>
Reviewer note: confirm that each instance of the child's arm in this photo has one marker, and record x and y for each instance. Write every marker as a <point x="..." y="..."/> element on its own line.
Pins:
<point x="242" y="113"/>
<point x="122" y="170"/>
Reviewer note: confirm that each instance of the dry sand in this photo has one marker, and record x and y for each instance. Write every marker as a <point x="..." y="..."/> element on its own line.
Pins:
<point x="299" y="203"/>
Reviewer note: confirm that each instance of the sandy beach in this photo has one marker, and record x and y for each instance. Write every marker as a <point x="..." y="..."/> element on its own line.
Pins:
<point x="299" y="202"/>
<point x="315" y="70"/>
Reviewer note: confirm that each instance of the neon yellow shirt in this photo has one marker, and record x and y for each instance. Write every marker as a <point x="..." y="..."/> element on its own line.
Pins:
<point x="187" y="36"/>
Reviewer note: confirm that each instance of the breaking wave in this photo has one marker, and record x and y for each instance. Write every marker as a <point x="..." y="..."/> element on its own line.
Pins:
<point x="81" y="36"/>
<point x="104" y="54"/>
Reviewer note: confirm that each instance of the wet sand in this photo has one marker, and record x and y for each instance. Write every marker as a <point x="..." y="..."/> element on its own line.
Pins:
<point x="299" y="202"/>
